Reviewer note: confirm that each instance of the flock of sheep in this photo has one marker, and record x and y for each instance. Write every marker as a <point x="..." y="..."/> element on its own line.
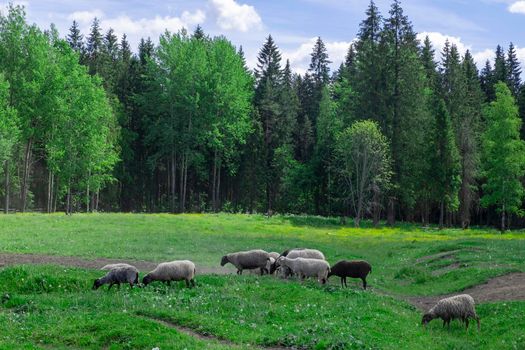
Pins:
<point x="300" y="262"/>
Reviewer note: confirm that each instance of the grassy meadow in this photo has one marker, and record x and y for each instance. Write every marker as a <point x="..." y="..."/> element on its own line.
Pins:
<point x="44" y="307"/>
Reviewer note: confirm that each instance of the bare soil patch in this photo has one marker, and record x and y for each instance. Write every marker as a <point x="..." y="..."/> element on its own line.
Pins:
<point x="508" y="287"/>
<point x="71" y="261"/>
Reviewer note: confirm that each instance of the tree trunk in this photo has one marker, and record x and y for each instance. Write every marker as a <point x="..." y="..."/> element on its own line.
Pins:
<point x="56" y="195"/>
<point x="88" y="197"/>
<point x="391" y="214"/>
<point x="503" y="219"/>
<point x="214" y="183"/>
<point x="68" y="201"/>
<point x="441" y="213"/>
<point x="50" y="190"/>
<point x="173" y="181"/>
<point x="25" y="179"/>
<point x="97" y="195"/>
<point x="7" y="185"/>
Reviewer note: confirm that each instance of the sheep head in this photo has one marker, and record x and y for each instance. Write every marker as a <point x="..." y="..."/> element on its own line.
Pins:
<point x="224" y="260"/>
<point x="147" y="280"/>
<point x="97" y="284"/>
<point x="427" y="318"/>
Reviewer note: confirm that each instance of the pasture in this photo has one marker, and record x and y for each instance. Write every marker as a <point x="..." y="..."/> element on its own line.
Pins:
<point x="48" y="264"/>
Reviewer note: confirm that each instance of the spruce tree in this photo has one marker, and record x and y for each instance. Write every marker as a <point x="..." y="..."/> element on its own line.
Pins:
<point x="94" y="48"/>
<point x="76" y="40"/>
<point x="486" y="81"/>
<point x="500" y="66"/>
<point x="446" y="162"/>
<point x="513" y="71"/>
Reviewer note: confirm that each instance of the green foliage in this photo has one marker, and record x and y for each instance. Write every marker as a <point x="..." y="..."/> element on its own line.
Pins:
<point x="503" y="155"/>
<point x="364" y="164"/>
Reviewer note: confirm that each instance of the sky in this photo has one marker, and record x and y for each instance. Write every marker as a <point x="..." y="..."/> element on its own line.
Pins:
<point x="477" y="25"/>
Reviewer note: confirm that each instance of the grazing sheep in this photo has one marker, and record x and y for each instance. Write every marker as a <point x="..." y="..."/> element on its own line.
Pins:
<point x="274" y="255"/>
<point x="271" y="261"/>
<point x="460" y="307"/>
<point x="248" y="260"/>
<point x="113" y="266"/>
<point x="297" y="253"/>
<point x="307" y="267"/>
<point x="172" y="271"/>
<point x="118" y="275"/>
<point x="353" y="269"/>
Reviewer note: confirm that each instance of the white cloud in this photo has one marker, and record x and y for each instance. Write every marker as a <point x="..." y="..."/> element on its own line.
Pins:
<point x="300" y="57"/>
<point x="233" y="16"/>
<point x="438" y="41"/>
<point x="517" y="7"/>
<point x="84" y="17"/>
<point x="481" y="57"/>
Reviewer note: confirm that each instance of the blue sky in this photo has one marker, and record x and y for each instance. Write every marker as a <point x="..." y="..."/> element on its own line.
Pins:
<point x="294" y="24"/>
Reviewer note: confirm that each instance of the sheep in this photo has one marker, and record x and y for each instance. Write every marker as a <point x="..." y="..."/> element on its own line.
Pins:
<point x="118" y="275"/>
<point x="271" y="261"/>
<point x="247" y="260"/>
<point x="307" y="267"/>
<point x="274" y="255"/>
<point x="113" y="266"/>
<point x="353" y="269"/>
<point x="177" y="270"/>
<point x="297" y="253"/>
<point x="460" y="307"/>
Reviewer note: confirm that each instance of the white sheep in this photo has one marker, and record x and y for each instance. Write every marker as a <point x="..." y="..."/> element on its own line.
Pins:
<point x="118" y="275"/>
<point x="247" y="260"/>
<point x="172" y="271"/>
<point x="296" y="253"/>
<point x="113" y="266"/>
<point x="460" y="307"/>
<point x="307" y="267"/>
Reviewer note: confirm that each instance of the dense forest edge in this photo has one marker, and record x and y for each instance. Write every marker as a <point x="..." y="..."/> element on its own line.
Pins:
<point x="397" y="133"/>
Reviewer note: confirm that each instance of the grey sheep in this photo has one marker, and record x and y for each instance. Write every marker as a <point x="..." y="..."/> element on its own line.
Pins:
<point x="247" y="260"/>
<point x="113" y="266"/>
<point x="297" y="253"/>
<point x="274" y="255"/>
<point x="177" y="270"/>
<point x="118" y="275"/>
<point x="307" y="267"/>
<point x="461" y="307"/>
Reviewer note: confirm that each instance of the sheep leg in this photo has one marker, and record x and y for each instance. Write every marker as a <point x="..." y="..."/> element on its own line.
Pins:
<point x="342" y="285"/>
<point x="169" y="283"/>
<point x="479" y="327"/>
<point x="466" y="324"/>
<point x="346" y="285"/>
<point x="262" y="270"/>
<point x="118" y="286"/>
<point x="131" y="285"/>
<point x="364" y="283"/>
<point x="187" y="283"/>
<point x="111" y="285"/>
<point x="193" y="282"/>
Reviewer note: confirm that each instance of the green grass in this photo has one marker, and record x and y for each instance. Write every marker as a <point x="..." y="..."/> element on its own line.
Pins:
<point x="54" y="307"/>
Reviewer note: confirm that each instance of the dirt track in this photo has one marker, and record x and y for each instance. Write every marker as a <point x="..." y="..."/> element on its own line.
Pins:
<point x="507" y="287"/>
<point x="14" y="259"/>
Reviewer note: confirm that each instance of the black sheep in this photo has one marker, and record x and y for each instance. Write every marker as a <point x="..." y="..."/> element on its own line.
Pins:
<point x="353" y="269"/>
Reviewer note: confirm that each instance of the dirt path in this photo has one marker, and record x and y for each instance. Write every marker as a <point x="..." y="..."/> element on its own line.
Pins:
<point x="144" y="266"/>
<point x="507" y="287"/>
<point x="208" y="337"/>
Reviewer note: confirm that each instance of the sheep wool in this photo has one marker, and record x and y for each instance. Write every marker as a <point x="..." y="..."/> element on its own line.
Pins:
<point x="460" y="307"/>
<point x="307" y="267"/>
<point x="177" y="270"/>
<point x="118" y="275"/>
<point x="353" y="269"/>
<point x="296" y="253"/>
<point x="114" y="266"/>
<point x="247" y="260"/>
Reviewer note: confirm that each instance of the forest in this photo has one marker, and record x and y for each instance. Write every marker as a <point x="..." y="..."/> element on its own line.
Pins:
<point x="399" y="132"/>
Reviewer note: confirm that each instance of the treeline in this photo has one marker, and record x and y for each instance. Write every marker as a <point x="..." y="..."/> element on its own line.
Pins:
<point x="398" y="132"/>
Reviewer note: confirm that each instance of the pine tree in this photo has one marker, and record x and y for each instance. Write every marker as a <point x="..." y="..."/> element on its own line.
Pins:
<point x="76" y="40"/>
<point x="199" y="33"/>
<point x="269" y="79"/>
<point x="513" y="71"/>
<point x="404" y="113"/>
<point x="500" y="66"/>
<point x="468" y="130"/>
<point x="94" y="48"/>
<point x="429" y="63"/>
<point x="486" y="81"/>
<point x="446" y="162"/>
<point x="319" y="64"/>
